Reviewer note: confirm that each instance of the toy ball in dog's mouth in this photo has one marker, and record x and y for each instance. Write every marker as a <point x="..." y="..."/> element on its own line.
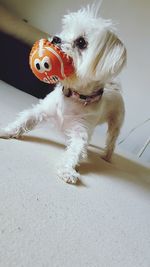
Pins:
<point x="49" y="63"/>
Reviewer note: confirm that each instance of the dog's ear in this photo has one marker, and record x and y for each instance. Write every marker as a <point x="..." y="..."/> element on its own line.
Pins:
<point x="110" y="57"/>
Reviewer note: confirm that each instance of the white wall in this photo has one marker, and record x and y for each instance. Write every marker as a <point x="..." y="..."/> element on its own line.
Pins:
<point x="133" y="17"/>
<point x="133" y="21"/>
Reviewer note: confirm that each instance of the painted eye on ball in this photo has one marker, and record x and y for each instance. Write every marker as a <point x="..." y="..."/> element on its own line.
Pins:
<point x="46" y="65"/>
<point x="38" y="66"/>
<point x="81" y="43"/>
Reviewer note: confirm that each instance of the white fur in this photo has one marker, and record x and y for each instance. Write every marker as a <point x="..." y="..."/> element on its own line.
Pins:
<point x="95" y="67"/>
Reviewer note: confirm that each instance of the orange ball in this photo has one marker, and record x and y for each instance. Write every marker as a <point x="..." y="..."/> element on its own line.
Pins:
<point x="49" y="63"/>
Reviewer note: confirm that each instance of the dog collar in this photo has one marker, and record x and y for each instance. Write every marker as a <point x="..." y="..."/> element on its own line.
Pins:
<point x="85" y="99"/>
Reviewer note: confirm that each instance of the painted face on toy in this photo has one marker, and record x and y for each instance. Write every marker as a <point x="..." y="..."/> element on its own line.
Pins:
<point x="49" y="63"/>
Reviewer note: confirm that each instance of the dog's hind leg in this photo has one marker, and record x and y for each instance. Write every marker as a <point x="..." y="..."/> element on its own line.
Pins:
<point x="114" y="126"/>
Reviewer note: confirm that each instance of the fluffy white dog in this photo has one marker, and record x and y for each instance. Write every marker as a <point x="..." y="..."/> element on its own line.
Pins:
<point x="89" y="97"/>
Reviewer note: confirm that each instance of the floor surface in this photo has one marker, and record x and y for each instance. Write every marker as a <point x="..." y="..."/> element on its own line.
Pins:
<point x="104" y="221"/>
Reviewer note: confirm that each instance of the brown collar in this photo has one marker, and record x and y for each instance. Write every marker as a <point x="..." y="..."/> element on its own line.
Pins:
<point x="85" y="99"/>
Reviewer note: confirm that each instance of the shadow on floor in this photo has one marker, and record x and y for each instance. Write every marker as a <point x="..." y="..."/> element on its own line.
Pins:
<point x="120" y="168"/>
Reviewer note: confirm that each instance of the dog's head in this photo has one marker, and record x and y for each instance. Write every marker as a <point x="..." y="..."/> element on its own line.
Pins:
<point x="97" y="52"/>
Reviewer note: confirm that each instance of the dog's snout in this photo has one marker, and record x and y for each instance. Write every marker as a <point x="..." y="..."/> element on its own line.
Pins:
<point x="56" y="40"/>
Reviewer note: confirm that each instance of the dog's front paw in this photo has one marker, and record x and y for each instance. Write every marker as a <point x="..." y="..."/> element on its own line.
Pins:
<point x="68" y="175"/>
<point x="8" y="133"/>
<point x="5" y="134"/>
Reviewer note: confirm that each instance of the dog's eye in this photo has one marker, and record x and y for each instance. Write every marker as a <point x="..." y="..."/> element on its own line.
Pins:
<point x="81" y="43"/>
<point x="56" y="40"/>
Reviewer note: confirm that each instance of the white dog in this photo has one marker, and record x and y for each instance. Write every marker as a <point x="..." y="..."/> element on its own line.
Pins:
<point x="87" y="98"/>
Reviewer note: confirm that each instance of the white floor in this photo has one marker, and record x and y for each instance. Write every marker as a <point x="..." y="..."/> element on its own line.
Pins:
<point x="102" y="222"/>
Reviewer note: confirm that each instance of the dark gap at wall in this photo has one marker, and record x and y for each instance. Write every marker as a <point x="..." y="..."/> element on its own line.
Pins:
<point x="15" y="68"/>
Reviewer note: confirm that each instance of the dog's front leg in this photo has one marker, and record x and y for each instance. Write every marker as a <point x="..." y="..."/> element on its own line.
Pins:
<point x="25" y="122"/>
<point x="28" y="119"/>
<point x="78" y="138"/>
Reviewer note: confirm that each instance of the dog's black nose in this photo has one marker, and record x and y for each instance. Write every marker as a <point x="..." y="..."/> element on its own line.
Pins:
<point x="56" y="40"/>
